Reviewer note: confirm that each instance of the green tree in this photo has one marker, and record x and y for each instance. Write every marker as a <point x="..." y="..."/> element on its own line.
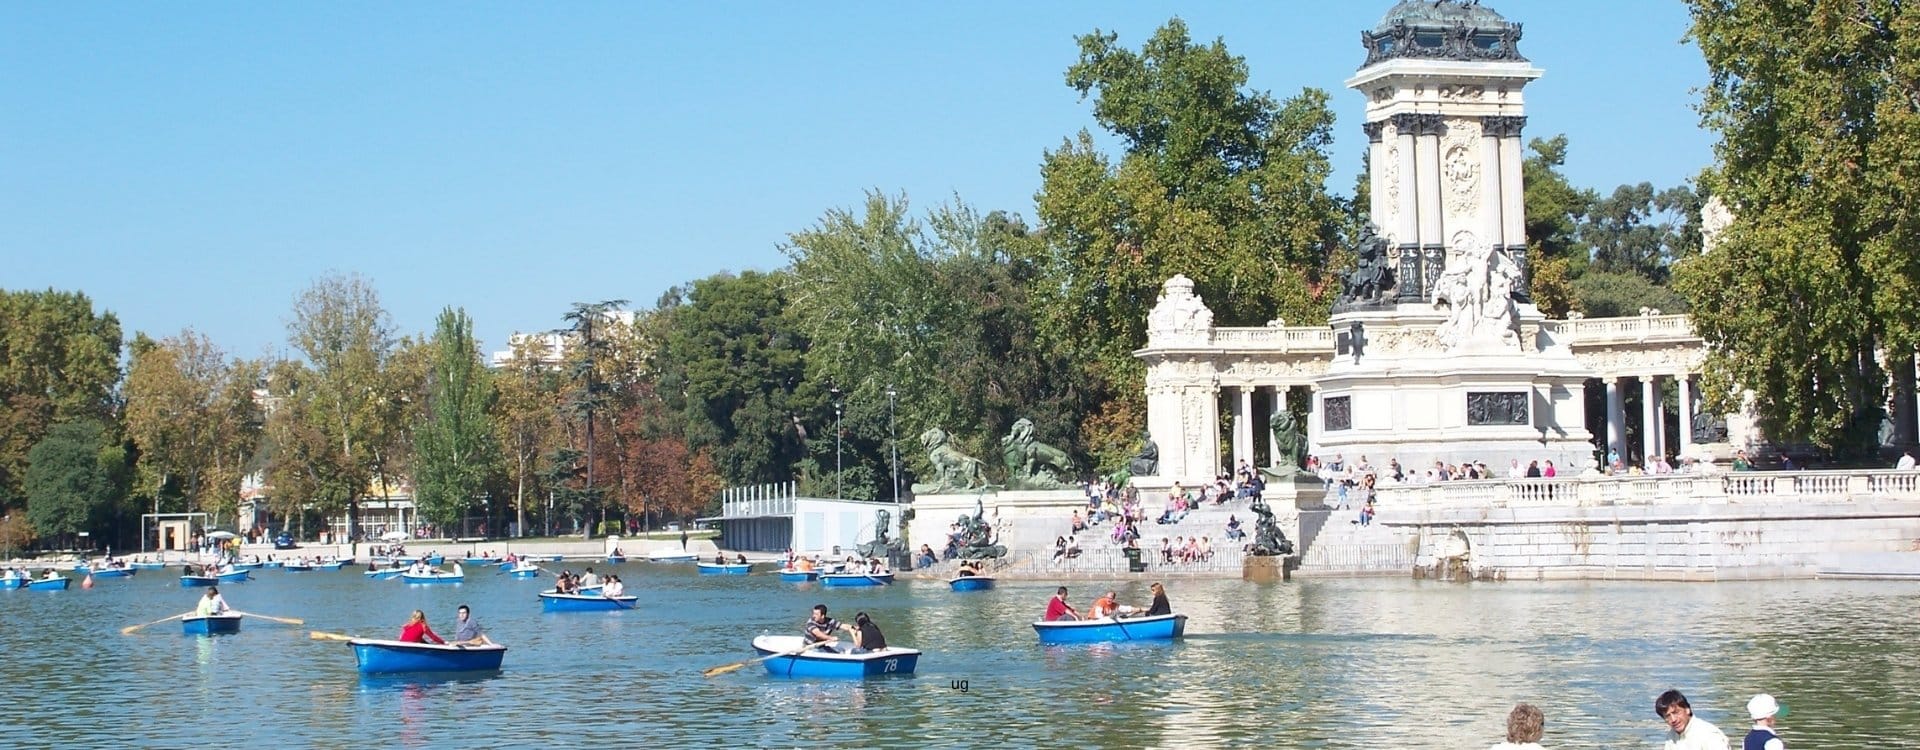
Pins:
<point x="733" y="365"/>
<point x="1816" y="279"/>
<point x="76" y="477"/>
<point x="193" y="416"/>
<point x="59" y="361"/>
<point x="344" y="400"/>
<point x="1554" y="210"/>
<point x="524" y="417"/>
<point x="1640" y="231"/>
<point x="454" y="450"/>
<point x="1611" y="294"/>
<point x="1216" y="181"/>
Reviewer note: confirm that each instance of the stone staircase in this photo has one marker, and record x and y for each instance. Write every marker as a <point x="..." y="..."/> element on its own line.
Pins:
<point x="1333" y="545"/>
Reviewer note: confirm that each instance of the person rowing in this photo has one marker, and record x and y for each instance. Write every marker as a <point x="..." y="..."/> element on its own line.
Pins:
<point x="820" y="628"/>
<point x="212" y="604"/>
<point x="1107" y="606"/>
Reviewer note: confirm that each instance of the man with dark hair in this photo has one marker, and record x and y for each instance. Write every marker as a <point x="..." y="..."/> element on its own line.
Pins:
<point x="469" y="632"/>
<point x="1687" y="732"/>
<point x="820" y="627"/>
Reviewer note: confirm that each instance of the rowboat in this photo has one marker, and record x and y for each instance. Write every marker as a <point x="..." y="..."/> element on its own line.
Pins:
<point x="244" y="567"/>
<point x="856" y="579"/>
<point x="149" y="566"/>
<point x="671" y="556"/>
<point x="554" y="602"/>
<point x="555" y="558"/>
<point x="273" y="563"/>
<point x="530" y="571"/>
<point x="477" y="561"/>
<point x="235" y="576"/>
<point x="971" y="583"/>
<point x="49" y="584"/>
<point x="798" y="576"/>
<point x="187" y="582"/>
<point x="824" y="663"/>
<point x="436" y="559"/>
<point x="113" y="573"/>
<point x="1156" y="627"/>
<point x="296" y="567"/>
<point x="616" y="559"/>
<point x="334" y="565"/>
<point x="436" y="576"/>
<point x="382" y="657"/>
<point x="210" y="625"/>
<point x="384" y="574"/>
<point x="9" y="583"/>
<point x="508" y="564"/>
<point x="726" y="569"/>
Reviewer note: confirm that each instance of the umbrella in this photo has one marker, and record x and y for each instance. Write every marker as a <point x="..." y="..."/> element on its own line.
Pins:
<point x="394" y="536"/>
<point x="221" y="535"/>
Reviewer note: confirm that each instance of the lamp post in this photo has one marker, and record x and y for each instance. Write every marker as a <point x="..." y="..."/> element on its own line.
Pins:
<point x="838" y="479"/>
<point x="893" y="441"/>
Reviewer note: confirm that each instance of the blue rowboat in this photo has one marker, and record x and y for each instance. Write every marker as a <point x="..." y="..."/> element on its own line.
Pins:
<point x="296" y="568"/>
<point x="50" y="584"/>
<point x="384" y="573"/>
<point x="436" y="559"/>
<point x="478" y="561"/>
<point x="616" y="559"/>
<point x="187" y="582"/>
<point x="210" y="625"/>
<point x="149" y="566"/>
<point x="9" y="583"/>
<point x="113" y="573"/>
<point x="552" y="602"/>
<point x="235" y="577"/>
<point x="273" y="563"/>
<point x="383" y="657"/>
<point x="971" y="583"/>
<point x="244" y="567"/>
<point x="1105" y="629"/>
<point x="856" y="579"/>
<point x="728" y="569"/>
<point x="798" y="576"/>
<point x="335" y="565"/>
<point x="436" y="576"/>
<point x="81" y="567"/>
<point x="671" y="556"/>
<point x="821" y="663"/>
<point x="524" y="573"/>
<point x="506" y="565"/>
<point x="555" y="558"/>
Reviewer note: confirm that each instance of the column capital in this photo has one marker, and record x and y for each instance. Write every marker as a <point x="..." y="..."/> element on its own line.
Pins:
<point x="1503" y="126"/>
<point x="1373" y="130"/>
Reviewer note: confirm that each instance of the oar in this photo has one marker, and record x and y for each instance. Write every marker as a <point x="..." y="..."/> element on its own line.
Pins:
<point x="283" y="620"/>
<point x="616" y="600"/>
<point x="128" y="630"/>
<point x="320" y="636"/>
<point x="725" y="668"/>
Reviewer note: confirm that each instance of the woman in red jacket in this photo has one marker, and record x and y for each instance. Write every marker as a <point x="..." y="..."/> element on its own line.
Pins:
<point x="416" y="630"/>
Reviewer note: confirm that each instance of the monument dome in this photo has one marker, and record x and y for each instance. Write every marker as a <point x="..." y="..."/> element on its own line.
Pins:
<point x="1442" y="30"/>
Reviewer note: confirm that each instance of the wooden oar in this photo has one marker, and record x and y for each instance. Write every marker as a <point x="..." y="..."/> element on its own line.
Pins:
<point x="128" y="630"/>
<point x="725" y="668"/>
<point x="320" y="636"/>
<point x="284" y="620"/>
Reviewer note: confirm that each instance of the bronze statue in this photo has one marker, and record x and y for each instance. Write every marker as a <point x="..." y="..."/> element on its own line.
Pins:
<point x="1147" y="462"/>
<point x="952" y="470"/>
<point x="1268" y="540"/>
<point x="1031" y="464"/>
<point x="976" y="535"/>
<point x="881" y="546"/>
<point x="1289" y="445"/>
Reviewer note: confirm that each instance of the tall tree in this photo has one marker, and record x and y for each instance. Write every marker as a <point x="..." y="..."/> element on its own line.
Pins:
<point x="1640" y="231"/>
<point x="59" y="361"/>
<point x="454" y="450"/>
<point x="733" y="365"/>
<point x="192" y="415"/>
<point x="587" y="324"/>
<point x="1554" y="210"/>
<point x="1816" y="278"/>
<point x="1222" y="183"/>
<point x="523" y="417"/>
<point x="78" y="473"/>
<point x="347" y="338"/>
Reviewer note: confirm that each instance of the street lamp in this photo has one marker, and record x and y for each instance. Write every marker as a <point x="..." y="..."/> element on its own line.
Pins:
<point x="894" y="441"/>
<point x="838" y="438"/>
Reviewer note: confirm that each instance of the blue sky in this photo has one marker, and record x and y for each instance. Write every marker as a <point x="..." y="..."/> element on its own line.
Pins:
<point x="198" y="164"/>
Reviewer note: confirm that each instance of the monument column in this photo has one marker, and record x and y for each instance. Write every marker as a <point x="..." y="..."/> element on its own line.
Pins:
<point x="1273" y="438"/>
<point x="1243" y="426"/>
<point x="1685" y="393"/>
<point x="1427" y="145"/>
<point x="1405" y="232"/>
<point x="1616" y="420"/>
<point x="1649" y="420"/>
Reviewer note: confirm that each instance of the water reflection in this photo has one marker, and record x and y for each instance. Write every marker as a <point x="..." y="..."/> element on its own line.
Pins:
<point x="1324" y="664"/>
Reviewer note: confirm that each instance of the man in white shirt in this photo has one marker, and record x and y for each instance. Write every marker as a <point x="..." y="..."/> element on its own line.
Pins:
<point x="1516" y="471"/>
<point x="1687" y="732"/>
<point x="1906" y="461"/>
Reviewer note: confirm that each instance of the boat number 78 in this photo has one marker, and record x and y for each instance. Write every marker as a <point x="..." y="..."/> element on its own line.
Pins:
<point x="890" y="665"/>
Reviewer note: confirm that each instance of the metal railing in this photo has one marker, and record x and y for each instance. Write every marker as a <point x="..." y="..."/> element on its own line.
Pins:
<point x="1678" y="489"/>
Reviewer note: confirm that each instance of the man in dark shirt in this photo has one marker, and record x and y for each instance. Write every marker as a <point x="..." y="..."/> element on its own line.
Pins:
<point x="820" y="627"/>
<point x="866" y="635"/>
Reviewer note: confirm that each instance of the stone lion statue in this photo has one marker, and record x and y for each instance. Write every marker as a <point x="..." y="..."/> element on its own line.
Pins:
<point x="952" y="470"/>
<point x="1032" y="464"/>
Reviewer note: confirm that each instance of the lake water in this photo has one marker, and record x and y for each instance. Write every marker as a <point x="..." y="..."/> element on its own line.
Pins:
<point x="1373" y="663"/>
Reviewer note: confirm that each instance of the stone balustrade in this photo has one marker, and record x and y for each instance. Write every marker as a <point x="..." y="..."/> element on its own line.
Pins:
<point x="1749" y="488"/>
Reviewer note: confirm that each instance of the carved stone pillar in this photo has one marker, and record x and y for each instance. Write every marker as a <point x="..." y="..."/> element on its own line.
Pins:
<point x="1685" y="394"/>
<point x="1616" y="419"/>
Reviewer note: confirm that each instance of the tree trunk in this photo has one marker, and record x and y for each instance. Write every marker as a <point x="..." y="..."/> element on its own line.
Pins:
<point x="1906" y="417"/>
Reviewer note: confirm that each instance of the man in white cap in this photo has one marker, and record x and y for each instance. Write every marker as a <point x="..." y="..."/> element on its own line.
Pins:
<point x="1762" y="709"/>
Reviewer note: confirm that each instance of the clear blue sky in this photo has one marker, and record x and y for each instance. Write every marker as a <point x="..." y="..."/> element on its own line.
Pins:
<point x="198" y="164"/>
